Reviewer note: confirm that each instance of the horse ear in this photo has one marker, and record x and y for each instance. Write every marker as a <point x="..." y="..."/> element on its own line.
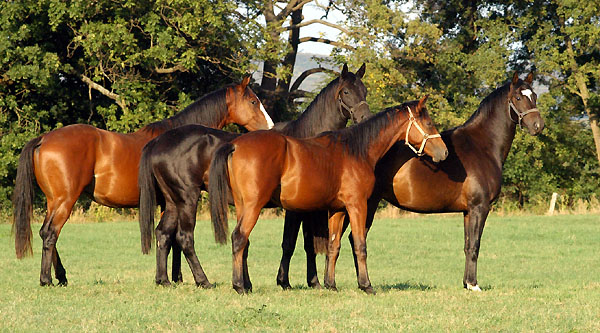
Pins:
<point x="515" y="78"/>
<point x="245" y="82"/>
<point x="421" y="104"/>
<point x="344" y="70"/>
<point x="529" y="78"/>
<point x="361" y="71"/>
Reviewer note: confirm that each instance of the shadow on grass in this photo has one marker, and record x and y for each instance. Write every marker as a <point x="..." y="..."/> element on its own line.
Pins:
<point x="405" y="286"/>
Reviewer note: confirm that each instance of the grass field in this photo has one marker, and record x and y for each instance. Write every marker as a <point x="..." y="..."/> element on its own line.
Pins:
<point x="538" y="274"/>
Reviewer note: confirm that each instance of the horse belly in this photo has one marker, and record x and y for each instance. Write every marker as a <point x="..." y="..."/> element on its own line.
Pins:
<point x="304" y="193"/>
<point x="422" y="191"/>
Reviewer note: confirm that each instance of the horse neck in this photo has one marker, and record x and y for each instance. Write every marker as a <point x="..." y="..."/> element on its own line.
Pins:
<point x="209" y="110"/>
<point x="376" y="144"/>
<point x="323" y="114"/>
<point x="493" y="129"/>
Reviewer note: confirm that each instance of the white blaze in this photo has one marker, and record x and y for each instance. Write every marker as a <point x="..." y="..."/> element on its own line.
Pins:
<point x="527" y="93"/>
<point x="270" y="123"/>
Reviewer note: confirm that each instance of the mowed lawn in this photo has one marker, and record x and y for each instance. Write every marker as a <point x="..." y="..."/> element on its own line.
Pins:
<point x="537" y="273"/>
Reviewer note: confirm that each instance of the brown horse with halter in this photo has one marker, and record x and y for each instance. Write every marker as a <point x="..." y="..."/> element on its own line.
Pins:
<point x="333" y="172"/>
<point x="81" y="158"/>
<point x="176" y="166"/>
<point x="469" y="180"/>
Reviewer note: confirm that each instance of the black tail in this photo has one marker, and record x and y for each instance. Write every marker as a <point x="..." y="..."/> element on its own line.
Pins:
<point x="147" y="186"/>
<point x="218" y="191"/>
<point x="23" y="200"/>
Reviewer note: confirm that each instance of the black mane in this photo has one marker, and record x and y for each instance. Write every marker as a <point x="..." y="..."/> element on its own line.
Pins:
<point x="357" y="139"/>
<point x="304" y="126"/>
<point x="208" y="110"/>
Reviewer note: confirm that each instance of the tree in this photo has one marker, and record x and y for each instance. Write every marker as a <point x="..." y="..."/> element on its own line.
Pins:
<point x="564" y="44"/>
<point x="279" y="51"/>
<point x="115" y="65"/>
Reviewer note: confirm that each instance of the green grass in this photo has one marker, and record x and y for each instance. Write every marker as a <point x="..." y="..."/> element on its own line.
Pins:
<point x="538" y="274"/>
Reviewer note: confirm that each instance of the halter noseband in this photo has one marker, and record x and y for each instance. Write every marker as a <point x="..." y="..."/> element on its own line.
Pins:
<point x="519" y="114"/>
<point x="350" y="109"/>
<point x="412" y="120"/>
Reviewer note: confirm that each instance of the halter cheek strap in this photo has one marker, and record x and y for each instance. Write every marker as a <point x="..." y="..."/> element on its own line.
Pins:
<point x="412" y="120"/>
<point x="518" y="113"/>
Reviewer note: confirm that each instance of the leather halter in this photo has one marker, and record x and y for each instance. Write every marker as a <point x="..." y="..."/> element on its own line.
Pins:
<point x="519" y="114"/>
<point x="348" y="108"/>
<point x="412" y="120"/>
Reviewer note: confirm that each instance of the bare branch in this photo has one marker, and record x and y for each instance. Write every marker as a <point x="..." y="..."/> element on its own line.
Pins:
<point x="176" y="68"/>
<point x="103" y="91"/>
<point x="326" y="41"/>
<point x="306" y="73"/>
<point x="323" y="22"/>
<point x="291" y="6"/>
<point x="298" y="94"/>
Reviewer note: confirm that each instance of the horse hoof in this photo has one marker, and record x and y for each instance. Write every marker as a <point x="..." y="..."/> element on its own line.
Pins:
<point x="315" y="285"/>
<point x="473" y="287"/>
<point x="332" y="288"/>
<point x="164" y="283"/>
<point x="240" y="290"/>
<point x="368" y="290"/>
<point x="63" y="283"/>
<point x="285" y="285"/>
<point x="46" y="283"/>
<point x="205" y="285"/>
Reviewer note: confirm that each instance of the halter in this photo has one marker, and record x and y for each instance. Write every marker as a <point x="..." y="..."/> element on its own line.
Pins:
<point x="411" y="121"/>
<point x="350" y="109"/>
<point x="519" y="114"/>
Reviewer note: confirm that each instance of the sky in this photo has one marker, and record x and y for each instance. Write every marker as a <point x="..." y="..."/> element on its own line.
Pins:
<point x="311" y="11"/>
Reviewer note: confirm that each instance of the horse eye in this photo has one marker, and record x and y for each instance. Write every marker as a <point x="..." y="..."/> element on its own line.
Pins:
<point x="518" y="98"/>
<point x="346" y="92"/>
<point x="253" y="102"/>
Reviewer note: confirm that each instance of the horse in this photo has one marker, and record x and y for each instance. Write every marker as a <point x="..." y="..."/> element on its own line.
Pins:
<point x="333" y="171"/>
<point x="178" y="163"/>
<point x="81" y="158"/>
<point x="469" y="180"/>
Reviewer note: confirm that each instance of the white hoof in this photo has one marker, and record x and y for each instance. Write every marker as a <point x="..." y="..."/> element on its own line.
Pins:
<point x="473" y="287"/>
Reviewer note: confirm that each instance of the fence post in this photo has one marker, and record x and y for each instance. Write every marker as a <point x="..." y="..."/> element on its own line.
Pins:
<point x="552" y="203"/>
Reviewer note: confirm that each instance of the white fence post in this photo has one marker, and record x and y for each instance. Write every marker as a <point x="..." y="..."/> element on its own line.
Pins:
<point x="552" y="203"/>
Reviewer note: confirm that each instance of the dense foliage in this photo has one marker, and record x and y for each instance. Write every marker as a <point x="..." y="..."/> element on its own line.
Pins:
<point x="119" y="65"/>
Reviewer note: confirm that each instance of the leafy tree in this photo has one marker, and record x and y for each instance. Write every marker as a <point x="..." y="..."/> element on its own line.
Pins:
<point x="116" y="65"/>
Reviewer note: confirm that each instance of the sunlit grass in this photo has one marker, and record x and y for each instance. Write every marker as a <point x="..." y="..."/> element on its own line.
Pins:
<point x="538" y="274"/>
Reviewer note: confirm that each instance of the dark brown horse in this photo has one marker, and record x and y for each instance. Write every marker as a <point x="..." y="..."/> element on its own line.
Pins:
<point x="80" y="158"/>
<point x="178" y="163"/>
<point x="469" y="180"/>
<point x="333" y="172"/>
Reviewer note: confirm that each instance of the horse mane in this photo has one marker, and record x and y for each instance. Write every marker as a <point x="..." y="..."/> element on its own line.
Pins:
<point x="357" y="139"/>
<point x="303" y="126"/>
<point x="208" y="110"/>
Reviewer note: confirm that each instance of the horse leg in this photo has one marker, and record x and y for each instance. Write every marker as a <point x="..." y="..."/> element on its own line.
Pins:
<point x="474" y="221"/>
<point x="165" y="234"/>
<point x="335" y="231"/>
<point x="372" y="204"/>
<point x="247" y="218"/>
<point x="290" y="235"/>
<point x="247" y="283"/>
<point x="312" y="278"/>
<point x="358" y="214"/>
<point x="59" y="270"/>
<point x="56" y="217"/>
<point x="185" y="238"/>
<point x="176" y="266"/>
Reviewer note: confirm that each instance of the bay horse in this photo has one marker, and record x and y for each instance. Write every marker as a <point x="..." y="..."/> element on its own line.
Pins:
<point x="333" y="171"/>
<point x="81" y="158"/>
<point x="178" y="163"/>
<point x="469" y="180"/>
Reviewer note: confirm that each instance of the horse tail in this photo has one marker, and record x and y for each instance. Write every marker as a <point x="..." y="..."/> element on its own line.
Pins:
<point x="147" y="186"/>
<point x="23" y="200"/>
<point x="320" y="237"/>
<point x="219" y="191"/>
